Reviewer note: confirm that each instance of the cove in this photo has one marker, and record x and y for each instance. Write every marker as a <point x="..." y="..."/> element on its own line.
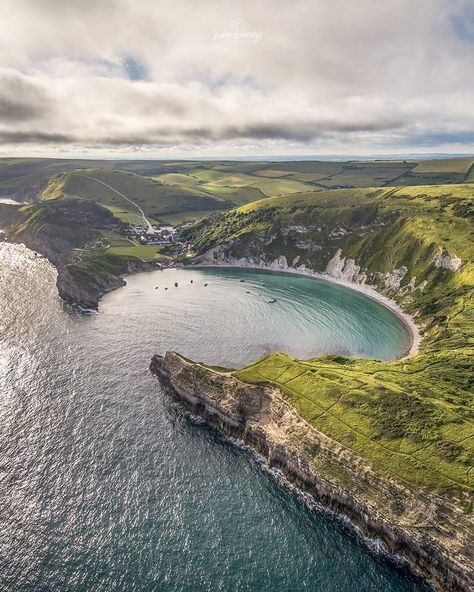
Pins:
<point x="106" y="485"/>
<point x="230" y="317"/>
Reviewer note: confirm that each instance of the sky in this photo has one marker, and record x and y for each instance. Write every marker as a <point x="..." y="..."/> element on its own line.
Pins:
<point x="234" y="78"/>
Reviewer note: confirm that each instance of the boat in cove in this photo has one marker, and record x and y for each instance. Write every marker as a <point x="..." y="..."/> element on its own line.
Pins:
<point x="94" y="450"/>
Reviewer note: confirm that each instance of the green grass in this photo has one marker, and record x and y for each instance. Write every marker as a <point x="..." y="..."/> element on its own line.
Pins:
<point x="144" y="252"/>
<point x="412" y="419"/>
<point x="367" y="175"/>
<point x="470" y="175"/>
<point x="117" y="244"/>
<point x="236" y="195"/>
<point x="155" y="198"/>
<point x="178" y="179"/>
<point x="207" y="175"/>
<point x="448" y="165"/>
<point x="272" y="187"/>
<point x="129" y="216"/>
<point x="408" y="428"/>
<point x="28" y="178"/>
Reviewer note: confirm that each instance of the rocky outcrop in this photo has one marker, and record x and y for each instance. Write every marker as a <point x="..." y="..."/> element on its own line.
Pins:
<point x="344" y="269"/>
<point x="430" y="533"/>
<point x="84" y="291"/>
<point x="447" y="260"/>
<point x="391" y="280"/>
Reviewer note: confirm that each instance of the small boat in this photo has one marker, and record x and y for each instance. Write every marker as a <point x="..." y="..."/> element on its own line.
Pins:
<point x="156" y="287"/>
<point x="166" y="288"/>
<point x="176" y="284"/>
<point x="241" y="281"/>
<point x="272" y="301"/>
<point x="205" y="285"/>
<point x="192" y="281"/>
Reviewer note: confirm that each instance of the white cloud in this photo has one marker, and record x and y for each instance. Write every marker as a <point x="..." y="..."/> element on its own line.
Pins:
<point x="335" y="76"/>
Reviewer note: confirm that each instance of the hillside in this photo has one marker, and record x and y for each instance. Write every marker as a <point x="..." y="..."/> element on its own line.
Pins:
<point x="238" y="182"/>
<point x="82" y="240"/>
<point x="158" y="200"/>
<point x="414" y="418"/>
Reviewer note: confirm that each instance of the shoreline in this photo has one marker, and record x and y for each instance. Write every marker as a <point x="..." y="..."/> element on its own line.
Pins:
<point x="367" y="290"/>
<point x="257" y="416"/>
<point x="91" y="303"/>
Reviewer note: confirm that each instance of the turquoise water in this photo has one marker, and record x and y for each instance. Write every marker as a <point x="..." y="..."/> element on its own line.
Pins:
<point x="233" y="320"/>
<point x="107" y="486"/>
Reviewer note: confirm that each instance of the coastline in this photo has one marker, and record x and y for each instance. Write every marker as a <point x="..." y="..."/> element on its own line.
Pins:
<point x="258" y="416"/>
<point x="367" y="290"/>
<point x="88" y="300"/>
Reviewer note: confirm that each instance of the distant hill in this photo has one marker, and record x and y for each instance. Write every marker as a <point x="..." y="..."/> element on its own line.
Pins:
<point x="160" y="201"/>
<point x="239" y="182"/>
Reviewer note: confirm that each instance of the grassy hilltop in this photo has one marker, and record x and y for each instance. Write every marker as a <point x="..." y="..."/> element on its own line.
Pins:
<point x="160" y="201"/>
<point x="406" y="227"/>
<point x="413" y="419"/>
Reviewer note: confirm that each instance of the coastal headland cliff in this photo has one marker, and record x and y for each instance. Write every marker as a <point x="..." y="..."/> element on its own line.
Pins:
<point x="432" y="534"/>
<point x="388" y="444"/>
<point x="73" y="234"/>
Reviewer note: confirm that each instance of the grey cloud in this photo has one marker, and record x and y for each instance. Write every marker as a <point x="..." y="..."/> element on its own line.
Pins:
<point x="146" y="72"/>
<point x="36" y="137"/>
<point x="20" y="100"/>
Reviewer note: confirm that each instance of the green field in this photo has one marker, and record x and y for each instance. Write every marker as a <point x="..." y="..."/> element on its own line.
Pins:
<point x="144" y="252"/>
<point x="413" y="419"/>
<point x="367" y="175"/>
<point x="158" y="200"/>
<point x="29" y="178"/>
<point x="448" y="165"/>
<point x="178" y="179"/>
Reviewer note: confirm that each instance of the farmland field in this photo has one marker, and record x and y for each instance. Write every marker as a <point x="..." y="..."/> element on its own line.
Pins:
<point x="449" y="165"/>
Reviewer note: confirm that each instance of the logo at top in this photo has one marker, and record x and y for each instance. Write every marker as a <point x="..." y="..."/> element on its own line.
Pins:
<point x="237" y="33"/>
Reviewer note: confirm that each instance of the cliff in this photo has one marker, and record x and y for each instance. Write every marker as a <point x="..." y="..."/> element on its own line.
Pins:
<point x="409" y="243"/>
<point x="71" y="233"/>
<point x="431" y="533"/>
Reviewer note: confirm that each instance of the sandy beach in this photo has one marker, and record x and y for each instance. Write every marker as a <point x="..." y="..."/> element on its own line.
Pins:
<point x="365" y="289"/>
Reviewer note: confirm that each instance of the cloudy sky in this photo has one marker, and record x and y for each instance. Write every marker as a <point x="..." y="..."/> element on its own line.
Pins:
<point x="152" y="78"/>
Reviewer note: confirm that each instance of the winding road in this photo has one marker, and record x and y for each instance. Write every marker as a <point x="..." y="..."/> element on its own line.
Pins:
<point x="150" y="229"/>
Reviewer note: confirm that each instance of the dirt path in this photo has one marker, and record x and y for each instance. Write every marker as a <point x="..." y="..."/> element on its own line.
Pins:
<point x="150" y="228"/>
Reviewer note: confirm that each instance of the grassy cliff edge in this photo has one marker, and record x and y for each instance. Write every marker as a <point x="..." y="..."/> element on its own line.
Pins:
<point x="411" y="420"/>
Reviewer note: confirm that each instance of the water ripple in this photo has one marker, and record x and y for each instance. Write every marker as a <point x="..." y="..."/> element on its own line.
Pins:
<point x="106" y="486"/>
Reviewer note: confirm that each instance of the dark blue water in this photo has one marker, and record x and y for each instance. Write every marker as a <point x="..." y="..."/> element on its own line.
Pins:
<point x="106" y="486"/>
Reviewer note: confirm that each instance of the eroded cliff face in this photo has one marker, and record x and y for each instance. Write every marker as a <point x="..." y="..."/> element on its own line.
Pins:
<point x="59" y="231"/>
<point x="83" y="288"/>
<point x="431" y="534"/>
<point x="339" y="267"/>
<point x="356" y="254"/>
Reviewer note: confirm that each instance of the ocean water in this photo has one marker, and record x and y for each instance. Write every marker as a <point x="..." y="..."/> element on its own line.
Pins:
<point x="105" y="485"/>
